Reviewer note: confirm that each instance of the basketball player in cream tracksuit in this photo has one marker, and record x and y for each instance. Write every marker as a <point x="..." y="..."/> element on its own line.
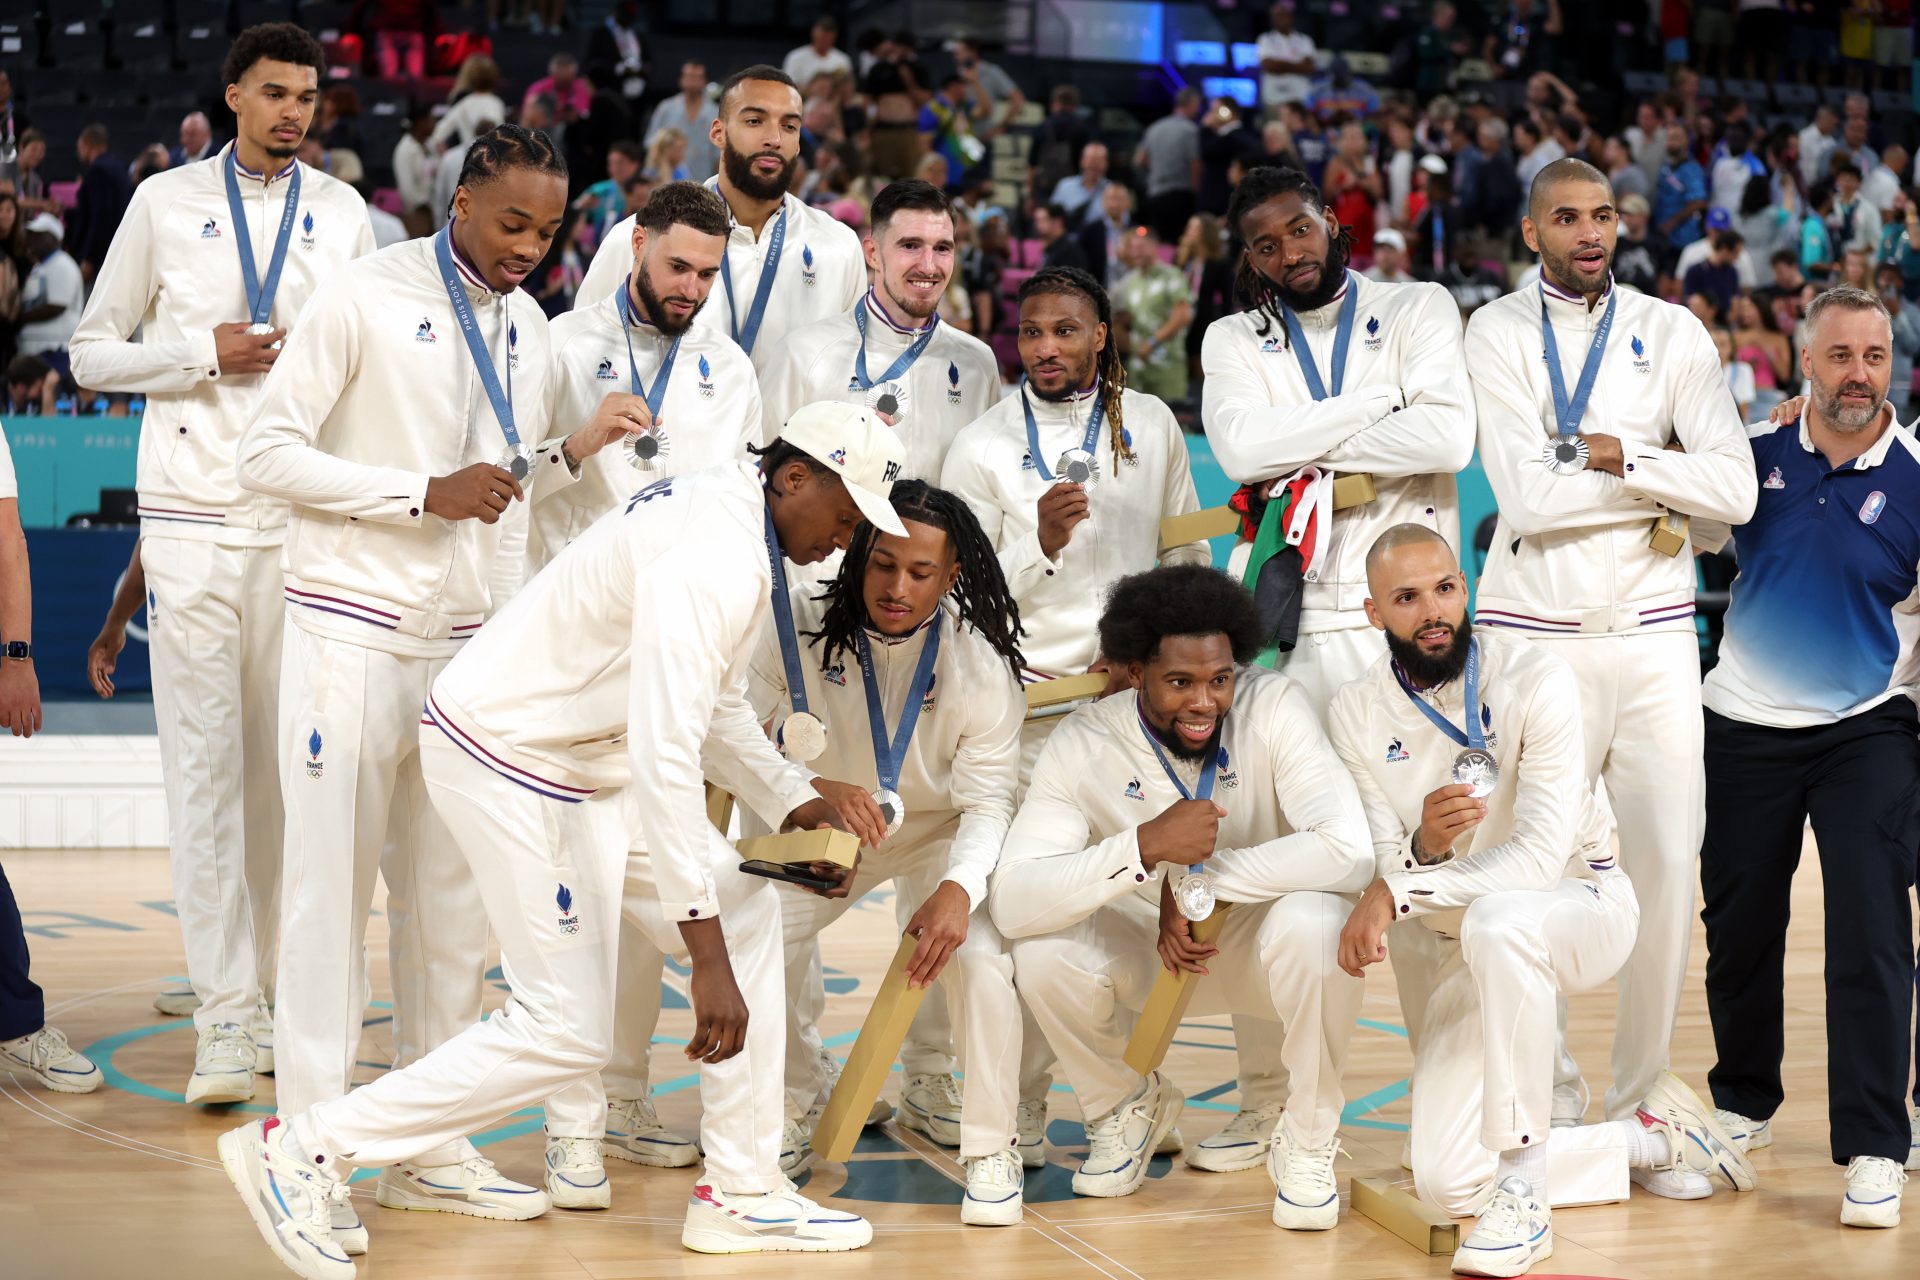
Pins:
<point x="210" y="550"/>
<point x="1387" y="395"/>
<point x="602" y="696"/>
<point x="1573" y="567"/>
<point x="709" y="415"/>
<point x="1521" y="890"/>
<point x="1211" y="766"/>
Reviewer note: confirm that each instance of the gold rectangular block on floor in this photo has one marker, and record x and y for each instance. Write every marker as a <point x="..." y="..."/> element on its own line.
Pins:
<point x="1167" y="1002"/>
<point x="1196" y="526"/>
<point x="719" y="807"/>
<point x="1050" y="693"/>
<point x="1668" y="534"/>
<point x="838" y="847"/>
<point x="872" y="1058"/>
<point x="1407" y="1216"/>
<point x="1353" y="489"/>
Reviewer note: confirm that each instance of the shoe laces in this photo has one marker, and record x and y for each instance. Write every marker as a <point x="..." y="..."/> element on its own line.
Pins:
<point x="1505" y="1216"/>
<point x="794" y="1136"/>
<point x="1031" y="1117"/>
<point x="638" y="1113"/>
<point x="1255" y="1122"/>
<point x="573" y="1152"/>
<point x="1876" y="1171"/>
<point x="47" y="1047"/>
<point x="228" y="1040"/>
<point x="943" y="1087"/>
<point x="482" y="1169"/>
<point x="1308" y="1166"/>
<point x="1107" y="1140"/>
<point x="1001" y="1169"/>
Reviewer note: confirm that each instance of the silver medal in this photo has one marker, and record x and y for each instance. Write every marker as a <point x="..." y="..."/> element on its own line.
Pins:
<point x="257" y="329"/>
<point x="1193" y="895"/>
<point x="1565" y="455"/>
<point x="1475" y="767"/>
<point x="889" y="398"/>
<point x="802" y="736"/>
<point x="516" y="461"/>
<point x="647" y="448"/>
<point x="1077" y="466"/>
<point x="892" y="808"/>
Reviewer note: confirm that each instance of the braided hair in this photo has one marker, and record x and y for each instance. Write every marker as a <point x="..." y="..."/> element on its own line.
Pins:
<point x="504" y="147"/>
<point x="981" y="592"/>
<point x="1108" y="368"/>
<point x="1261" y="184"/>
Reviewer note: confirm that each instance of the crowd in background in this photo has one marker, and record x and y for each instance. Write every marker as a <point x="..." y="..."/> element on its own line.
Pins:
<point x="1726" y="206"/>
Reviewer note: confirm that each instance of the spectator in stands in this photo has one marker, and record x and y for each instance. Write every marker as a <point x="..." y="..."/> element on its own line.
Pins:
<point x="1513" y="48"/>
<point x="1157" y="306"/>
<point x="1646" y="139"/>
<point x="1638" y="260"/>
<point x="818" y="56"/>
<point x="1817" y="142"/>
<point x="1854" y="145"/>
<point x="1389" y="258"/>
<point x="1856" y="271"/>
<point x="614" y="62"/>
<point x="339" y="125"/>
<point x="1533" y="151"/>
<point x="1764" y="225"/>
<point x="1100" y="235"/>
<point x="1701" y="250"/>
<point x="413" y="172"/>
<point x="1900" y="243"/>
<point x="1717" y="278"/>
<point x="54" y="294"/>
<point x="1817" y="252"/>
<point x="1626" y="177"/>
<point x="398" y="34"/>
<point x="100" y="203"/>
<point x="1340" y="92"/>
<point x="982" y="265"/>
<point x="1437" y="49"/>
<point x="14" y="265"/>
<point x="1733" y="165"/>
<point x="30" y="182"/>
<point x="1169" y="154"/>
<point x="572" y="95"/>
<point x="475" y="108"/>
<point x="33" y="388"/>
<point x="667" y="155"/>
<point x="1353" y="188"/>
<point x="1852" y="223"/>
<point x="1906" y="338"/>
<point x="1059" y="144"/>
<point x="605" y="202"/>
<point x="1758" y="341"/>
<point x="1491" y="203"/>
<point x="945" y="124"/>
<point x="1225" y="140"/>
<point x="1078" y="192"/>
<point x="1401" y="161"/>
<point x="1887" y="179"/>
<point x="1286" y="60"/>
<point x="898" y="86"/>
<point x="995" y="97"/>
<point x="151" y="160"/>
<point x="1308" y="139"/>
<point x="1058" y="249"/>
<point x="1787" y="283"/>
<point x="692" y="111"/>
<point x="1738" y="373"/>
<point x="1202" y="256"/>
<point x="1893" y="43"/>
<point x="1467" y="277"/>
<point x="1435" y="227"/>
<point x="196" y="140"/>
<point x="1680" y="195"/>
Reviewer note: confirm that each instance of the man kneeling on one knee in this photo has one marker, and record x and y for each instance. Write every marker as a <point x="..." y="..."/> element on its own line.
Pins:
<point x="1467" y="749"/>
<point x="1207" y="767"/>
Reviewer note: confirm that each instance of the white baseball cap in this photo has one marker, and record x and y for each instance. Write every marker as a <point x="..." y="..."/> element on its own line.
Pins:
<point x="851" y="441"/>
<point x="1391" y="239"/>
<point x="48" y="223"/>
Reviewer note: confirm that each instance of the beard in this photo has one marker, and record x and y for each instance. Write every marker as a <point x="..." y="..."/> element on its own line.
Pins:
<point x="747" y="180"/>
<point x="1563" y="271"/>
<point x="1838" y="414"/>
<point x="1333" y="277"/>
<point x="1078" y="380"/>
<point x="912" y="311"/>
<point x="1179" y="747"/>
<point x="654" y="307"/>
<point x="1427" y="670"/>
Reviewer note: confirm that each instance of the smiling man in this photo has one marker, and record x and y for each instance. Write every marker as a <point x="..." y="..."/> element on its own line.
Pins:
<point x="1210" y="768"/>
<point x="1597" y="453"/>
<point x="211" y="265"/>
<point x="1466" y="747"/>
<point x="891" y="351"/>
<point x="788" y="264"/>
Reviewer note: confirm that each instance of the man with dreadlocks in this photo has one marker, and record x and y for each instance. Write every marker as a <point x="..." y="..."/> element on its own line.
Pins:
<point x="910" y="657"/>
<point x="1327" y="373"/>
<point x="400" y="422"/>
<point x="1209" y="769"/>
<point x="1074" y="447"/>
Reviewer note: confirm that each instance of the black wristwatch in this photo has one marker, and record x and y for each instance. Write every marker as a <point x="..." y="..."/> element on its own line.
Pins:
<point x="17" y="651"/>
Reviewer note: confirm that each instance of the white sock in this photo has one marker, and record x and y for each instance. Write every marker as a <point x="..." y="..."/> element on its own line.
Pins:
<point x="1528" y="1163"/>
<point x="1646" y="1148"/>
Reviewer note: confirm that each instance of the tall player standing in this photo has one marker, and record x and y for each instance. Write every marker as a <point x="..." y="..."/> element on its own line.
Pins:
<point x="1593" y="451"/>
<point x="211" y="265"/>
<point x="1333" y="371"/>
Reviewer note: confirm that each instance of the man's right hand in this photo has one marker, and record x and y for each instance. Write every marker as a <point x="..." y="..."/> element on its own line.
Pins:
<point x="479" y="492"/>
<point x="719" y="1010"/>
<point x="1448" y="813"/>
<point x="1061" y="508"/>
<point x="1184" y="833"/>
<point x="243" y="352"/>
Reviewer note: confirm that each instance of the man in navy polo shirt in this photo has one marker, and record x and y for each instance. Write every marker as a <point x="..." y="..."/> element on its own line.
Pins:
<point x="1810" y="714"/>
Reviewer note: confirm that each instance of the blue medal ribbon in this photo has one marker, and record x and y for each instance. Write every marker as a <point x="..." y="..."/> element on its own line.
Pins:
<point x="656" y="394"/>
<point x="890" y="755"/>
<point x="1204" y="791"/>
<point x="1098" y="416"/>
<point x="899" y="367"/>
<point x="1475" y="736"/>
<point x="783" y="622"/>
<point x="1568" y="413"/>
<point x="1342" y="339"/>
<point x="260" y="296"/>
<point x="746" y="336"/>
<point x="476" y="345"/>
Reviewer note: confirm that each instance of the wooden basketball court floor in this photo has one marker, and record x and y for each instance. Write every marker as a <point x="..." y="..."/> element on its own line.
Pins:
<point x="124" y="1183"/>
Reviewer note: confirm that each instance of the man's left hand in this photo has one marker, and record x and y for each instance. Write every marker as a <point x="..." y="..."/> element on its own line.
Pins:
<point x="1363" y="941"/>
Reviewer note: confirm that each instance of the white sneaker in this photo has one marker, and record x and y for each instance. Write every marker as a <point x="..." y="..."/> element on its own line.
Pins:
<point x="879" y="1113"/>
<point x="576" y="1178"/>
<point x="1695" y="1138"/>
<point x="222" y="1065"/>
<point x="288" y="1200"/>
<point x="348" y="1231"/>
<point x="260" y="1028"/>
<point x="796" y="1148"/>
<point x="177" y="1002"/>
<point x="931" y="1104"/>
<point x="778" y="1222"/>
<point x="1874" y="1184"/>
<point x="1242" y="1144"/>
<point x="1120" y="1144"/>
<point x="1171" y="1143"/>
<point x="1305" y="1197"/>
<point x="473" y="1187"/>
<point x="1515" y="1231"/>
<point x="995" y="1190"/>
<point x="1748" y="1135"/>
<point x="1030" y="1121"/>
<point x="1913" y="1151"/>
<point x="48" y="1057"/>
<point x="635" y="1133"/>
<point x="1672" y="1184"/>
